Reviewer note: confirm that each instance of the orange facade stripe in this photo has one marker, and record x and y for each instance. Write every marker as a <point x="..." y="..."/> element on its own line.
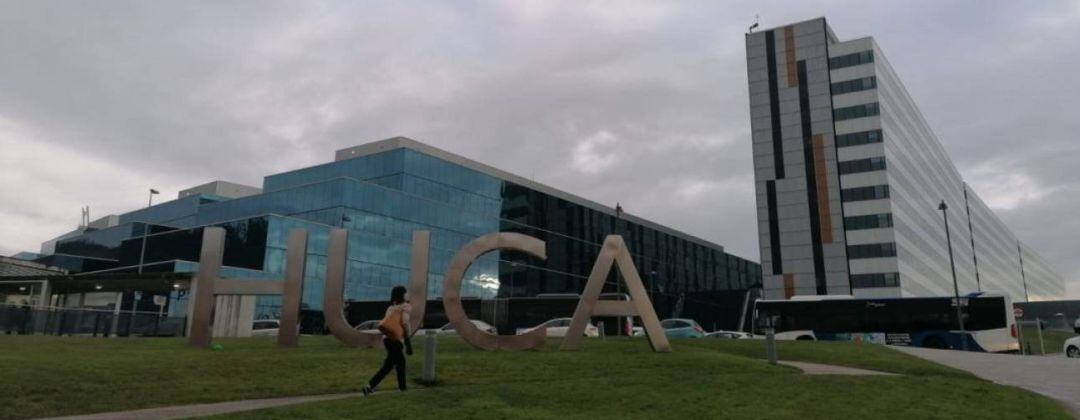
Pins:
<point x="821" y="176"/>
<point x="789" y="48"/>
<point x="789" y="285"/>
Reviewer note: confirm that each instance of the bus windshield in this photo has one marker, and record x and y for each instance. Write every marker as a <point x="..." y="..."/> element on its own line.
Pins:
<point x="893" y="320"/>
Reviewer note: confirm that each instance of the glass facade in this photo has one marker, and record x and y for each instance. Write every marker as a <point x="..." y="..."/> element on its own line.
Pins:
<point x="381" y="198"/>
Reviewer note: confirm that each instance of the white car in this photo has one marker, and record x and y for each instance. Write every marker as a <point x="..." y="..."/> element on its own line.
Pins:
<point x="1072" y="348"/>
<point x="371" y="326"/>
<point x="483" y="326"/>
<point x="737" y="335"/>
<point x="265" y="328"/>
<point x="557" y="328"/>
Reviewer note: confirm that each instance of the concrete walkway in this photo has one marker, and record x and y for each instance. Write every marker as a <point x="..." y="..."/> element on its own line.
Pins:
<point x="819" y="369"/>
<point x="1054" y="377"/>
<point x="199" y="410"/>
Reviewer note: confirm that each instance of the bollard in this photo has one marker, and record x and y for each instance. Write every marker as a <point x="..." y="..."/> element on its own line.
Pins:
<point x="600" y="326"/>
<point x="1042" y="347"/>
<point x="770" y="346"/>
<point x="1020" y="337"/>
<point x="428" y="375"/>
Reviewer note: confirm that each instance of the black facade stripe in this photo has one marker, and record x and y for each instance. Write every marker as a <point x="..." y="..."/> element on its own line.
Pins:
<point x="774" y="228"/>
<point x="811" y="181"/>
<point x="774" y="105"/>
<point x="836" y="151"/>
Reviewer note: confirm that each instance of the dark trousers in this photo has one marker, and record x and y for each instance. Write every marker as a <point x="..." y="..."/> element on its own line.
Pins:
<point x="395" y="359"/>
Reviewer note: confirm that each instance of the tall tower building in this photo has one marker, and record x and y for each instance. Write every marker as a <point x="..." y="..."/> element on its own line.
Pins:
<point x="849" y="179"/>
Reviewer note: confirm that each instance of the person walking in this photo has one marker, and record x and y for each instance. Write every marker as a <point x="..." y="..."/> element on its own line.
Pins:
<point x="395" y="329"/>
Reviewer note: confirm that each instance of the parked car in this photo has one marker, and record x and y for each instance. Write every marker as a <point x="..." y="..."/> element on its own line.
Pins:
<point x="1072" y="348"/>
<point x="557" y="328"/>
<point x="483" y="326"/>
<point x="682" y="328"/>
<point x="265" y="328"/>
<point x="736" y="335"/>
<point x="371" y="326"/>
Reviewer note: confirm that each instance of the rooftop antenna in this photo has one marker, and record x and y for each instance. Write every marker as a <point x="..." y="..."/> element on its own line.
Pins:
<point x="85" y="219"/>
<point x="755" y="25"/>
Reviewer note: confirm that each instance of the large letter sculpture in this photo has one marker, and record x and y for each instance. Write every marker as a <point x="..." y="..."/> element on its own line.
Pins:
<point x="614" y="252"/>
<point x="334" y="301"/>
<point x="207" y="286"/>
<point x="452" y="291"/>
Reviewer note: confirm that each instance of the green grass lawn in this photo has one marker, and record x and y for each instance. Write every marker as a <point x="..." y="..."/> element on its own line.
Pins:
<point x="706" y="378"/>
<point x="1053" y="340"/>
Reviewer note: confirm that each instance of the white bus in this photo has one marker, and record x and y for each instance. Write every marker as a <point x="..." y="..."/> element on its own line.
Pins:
<point x="921" y="322"/>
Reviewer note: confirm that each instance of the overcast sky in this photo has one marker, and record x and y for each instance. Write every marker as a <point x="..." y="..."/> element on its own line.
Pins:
<point x="642" y="103"/>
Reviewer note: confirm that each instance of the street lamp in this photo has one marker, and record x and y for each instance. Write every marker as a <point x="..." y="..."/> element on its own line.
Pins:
<point x="618" y="284"/>
<point x="956" y="288"/>
<point x="153" y="192"/>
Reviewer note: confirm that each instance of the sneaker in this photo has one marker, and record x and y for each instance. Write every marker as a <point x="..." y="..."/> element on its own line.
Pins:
<point x="366" y="390"/>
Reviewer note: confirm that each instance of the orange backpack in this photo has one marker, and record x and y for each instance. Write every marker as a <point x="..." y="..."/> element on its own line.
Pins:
<point x="390" y="325"/>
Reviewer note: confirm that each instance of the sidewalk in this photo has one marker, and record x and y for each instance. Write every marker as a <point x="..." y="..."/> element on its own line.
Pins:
<point x="1054" y="377"/>
<point x="820" y="369"/>
<point x="198" y="410"/>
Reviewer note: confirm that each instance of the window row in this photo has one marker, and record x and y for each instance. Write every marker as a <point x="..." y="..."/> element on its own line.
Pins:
<point x="857" y="111"/>
<point x="852" y="59"/>
<point x="870" y="221"/>
<point x="871" y="251"/>
<point x="855" y="139"/>
<point x="856" y="85"/>
<point x="861" y="281"/>
<point x="862" y="165"/>
<point x="874" y="192"/>
<point x="363" y="168"/>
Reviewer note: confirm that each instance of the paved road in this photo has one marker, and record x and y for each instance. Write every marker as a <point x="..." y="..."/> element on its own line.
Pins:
<point x="1054" y="377"/>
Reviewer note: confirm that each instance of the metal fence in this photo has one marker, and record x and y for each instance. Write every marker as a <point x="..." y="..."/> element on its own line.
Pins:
<point x="1044" y="336"/>
<point x="44" y="320"/>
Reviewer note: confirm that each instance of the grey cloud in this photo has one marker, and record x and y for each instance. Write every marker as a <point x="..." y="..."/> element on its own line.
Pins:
<point x="187" y="92"/>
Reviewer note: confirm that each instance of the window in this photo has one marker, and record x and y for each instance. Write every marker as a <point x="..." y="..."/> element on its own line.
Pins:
<point x="856" y="85"/>
<point x="860" y="281"/>
<point x="875" y="192"/>
<point x="853" y="59"/>
<point x="871" y="251"/>
<point x="872" y="221"/>
<point x="862" y="165"/>
<point x="857" y="111"/>
<point x="264" y="325"/>
<point x="855" y="139"/>
<point x="985" y="314"/>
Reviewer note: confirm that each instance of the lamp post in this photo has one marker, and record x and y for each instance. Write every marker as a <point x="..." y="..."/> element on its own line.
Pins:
<point x="150" y="201"/>
<point x="146" y="231"/>
<point x="618" y="284"/>
<point x="956" y="288"/>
